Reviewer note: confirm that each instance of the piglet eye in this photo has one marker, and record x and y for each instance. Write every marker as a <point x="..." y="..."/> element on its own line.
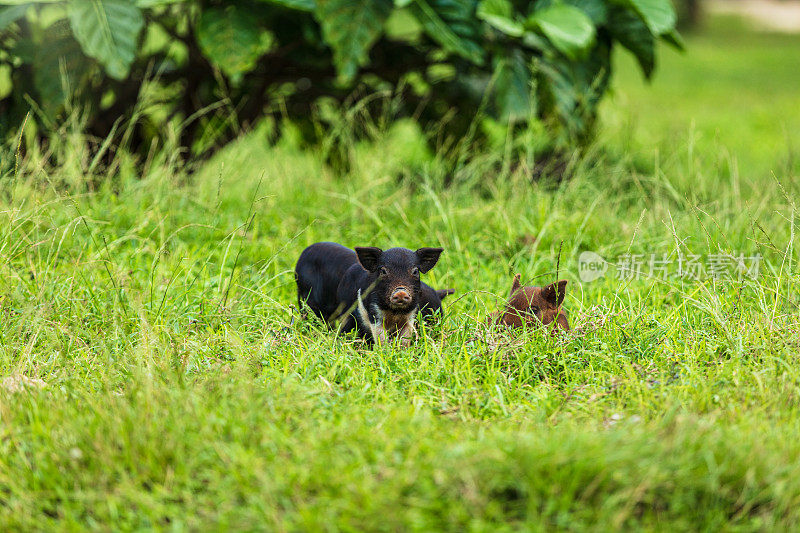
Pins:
<point x="383" y="272"/>
<point x="415" y="271"/>
<point x="535" y="310"/>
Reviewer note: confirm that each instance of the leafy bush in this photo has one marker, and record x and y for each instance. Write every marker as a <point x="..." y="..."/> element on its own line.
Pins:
<point x="201" y="70"/>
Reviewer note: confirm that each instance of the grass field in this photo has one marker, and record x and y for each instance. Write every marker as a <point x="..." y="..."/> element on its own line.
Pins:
<point x="157" y="375"/>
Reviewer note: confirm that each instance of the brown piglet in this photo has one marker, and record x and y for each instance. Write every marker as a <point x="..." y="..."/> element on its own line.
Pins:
<point x="532" y="306"/>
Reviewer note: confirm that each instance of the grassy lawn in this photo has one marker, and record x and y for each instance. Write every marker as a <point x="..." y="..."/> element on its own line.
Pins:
<point x="729" y="99"/>
<point x="159" y="375"/>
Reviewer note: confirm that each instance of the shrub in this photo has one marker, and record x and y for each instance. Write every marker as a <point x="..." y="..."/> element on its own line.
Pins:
<point x="210" y="68"/>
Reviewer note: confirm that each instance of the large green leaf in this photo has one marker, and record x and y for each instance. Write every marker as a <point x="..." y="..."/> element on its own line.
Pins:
<point x="107" y="31"/>
<point x="59" y="68"/>
<point x="575" y="88"/>
<point x="512" y="88"/>
<point x="9" y="15"/>
<point x="674" y="39"/>
<point x="632" y="33"/>
<point x="659" y="15"/>
<point x="451" y="23"/>
<point x="569" y="29"/>
<point x="230" y="38"/>
<point x="350" y="28"/>
<point x="500" y="15"/>
<point x="301" y="5"/>
<point x="157" y="3"/>
<point x="597" y="10"/>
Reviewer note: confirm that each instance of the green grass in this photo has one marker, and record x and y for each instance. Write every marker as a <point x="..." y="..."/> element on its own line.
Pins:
<point x="729" y="100"/>
<point x="183" y="392"/>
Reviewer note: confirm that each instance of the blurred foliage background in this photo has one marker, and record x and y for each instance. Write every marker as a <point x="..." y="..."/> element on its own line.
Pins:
<point x="199" y="72"/>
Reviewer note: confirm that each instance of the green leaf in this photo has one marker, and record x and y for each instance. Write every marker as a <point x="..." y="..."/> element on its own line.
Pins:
<point x="500" y="15"/>
<point x="350" y="28"/>
<point x="450" y="25"/>
<point x="59" y="68"/>
<point x="575" y="88"/>
<point x="567" y="27"/>
<point x="300" y="5"/>
<point x="632" y="33"/>
<point x="157" y="3"/>
<point x="675" y="39"/>
<point x="9" y="15"/>
<point x="512" y="88"/>
<point x="536" y="41"/>
<point x="659" y="15"/>
<point x="107" y="30"/>
<point x="596" y="10"/>
<point x="230" y="39"/>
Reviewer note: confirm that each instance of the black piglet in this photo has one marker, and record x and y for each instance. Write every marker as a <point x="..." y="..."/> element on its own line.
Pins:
<point x="377" y="293"/>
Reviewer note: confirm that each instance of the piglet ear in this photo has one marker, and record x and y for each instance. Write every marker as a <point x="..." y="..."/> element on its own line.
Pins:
<point x="515" y="285"/>
<point x="369" y="256"/>
<point x="427" y="258"/>
<point x="554" y="293"/>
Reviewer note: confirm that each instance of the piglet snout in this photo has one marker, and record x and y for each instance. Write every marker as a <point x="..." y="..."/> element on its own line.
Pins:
<point x="400" y="297"/>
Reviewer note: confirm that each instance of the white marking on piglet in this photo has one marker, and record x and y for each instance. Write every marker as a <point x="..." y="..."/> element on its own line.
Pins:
<point x="400" y="326"/>
<point x="377" y="333"/>
<point x="378" y="328"/>
<point x="409" y="330"/>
